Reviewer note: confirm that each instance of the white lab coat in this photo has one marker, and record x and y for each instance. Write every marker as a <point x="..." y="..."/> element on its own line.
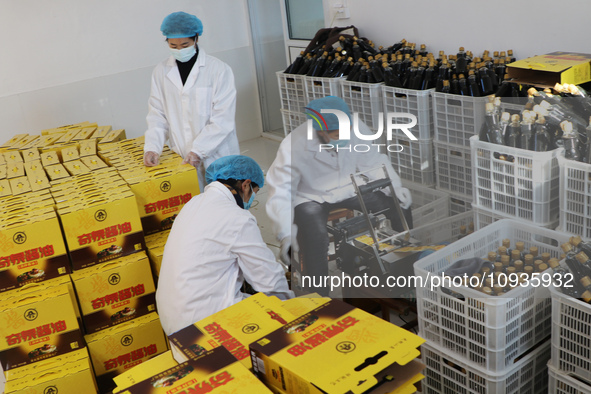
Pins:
<point x="213" y="245"/>
<point x="300" y="173"/>
<point x="196" y="117"/>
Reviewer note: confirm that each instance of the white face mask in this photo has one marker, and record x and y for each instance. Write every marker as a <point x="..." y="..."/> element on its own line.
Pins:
<point x="183" y="55"/>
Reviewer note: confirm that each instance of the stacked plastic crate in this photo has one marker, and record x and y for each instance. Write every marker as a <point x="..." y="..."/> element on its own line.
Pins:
<point x="480" y="343"/>
<point x="570" y="367"/>
<point x="292" y="92"/>
<point x="412" y="159"/>
<point x="364" y="99"/>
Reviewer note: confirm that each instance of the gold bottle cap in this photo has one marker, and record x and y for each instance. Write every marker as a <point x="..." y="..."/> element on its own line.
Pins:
<point x="461" y="49"/>
<point x="511" y="270"/>
<point x="492" y="256"/>
<point x="463" y="229"/>
<point x="485" y="270"/>
<point x="505" y="260"/>
<point x="502" y="54"/>
<point x="542" y="267"/>
<point x="586" y="296"/>
<point x="507" y="243"/>
<point x="461" y="76"/>
<point x="553" y="263"/>
<point x="510" y="52"/>
<point x="423" y="46"/>
<point x="477" y="275"/>
<point x="515" y="118"/>
<point x="496" y="53"/>
<point x="506" y="117"/>
<point x="498" y="267"/>
<point x="566" y="247"/>
<point x="585" y="281"/>
<point x="582" y="257"/>
<point x="528" y="259"/>
<point x="384" y="65"/>
<point x="502" y="250"/>
<point x="576" y="240"/>
<point x="487" y="290"/>
<point x="528" y="269"/>
<point x="520" y="245"/>
<point x="533" y="251"/>
<point x="538" y="262"/>
<point x="498" y="289"/>
<point x="446" y="83"/>
<point x="518" y="264"/>
<point x="545" y="257"/>
<point x="414" y="64"/>
<point x="515" y="255"/>
<point x="441" y="53"/>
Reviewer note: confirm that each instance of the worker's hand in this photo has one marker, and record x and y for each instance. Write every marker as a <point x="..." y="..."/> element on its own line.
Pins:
<point x="151" y="159"/>
<point x="192" y="159"/>
<point x="405" y="197"/>
<point x="285" y="251"/>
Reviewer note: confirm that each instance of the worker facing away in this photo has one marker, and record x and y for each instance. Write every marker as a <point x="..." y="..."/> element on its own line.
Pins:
<point x="307" y="183"/>
<point x="192" y="100"/>
<point x="214" y="245"/>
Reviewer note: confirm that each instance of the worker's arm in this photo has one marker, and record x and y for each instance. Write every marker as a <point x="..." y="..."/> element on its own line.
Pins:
<point x="158" y="127"/>
<point x="258" y="263"/>
<point x="222" y="118"/>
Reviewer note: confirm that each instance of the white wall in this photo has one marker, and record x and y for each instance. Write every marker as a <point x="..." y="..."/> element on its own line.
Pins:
<point x="529" y="27"/>
<point x="67" y="61"/>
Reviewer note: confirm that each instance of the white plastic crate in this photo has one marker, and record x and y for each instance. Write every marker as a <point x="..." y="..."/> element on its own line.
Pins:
<point x="415" y="161"/>
<point x="291" y="120"/>
<point x="487" y="331"/>
<point x="364" y="99"/>
<point x="560" y="383"/>
<point x="575" y="197"/>
<point x="416" y="102"/>
<point x="292" y="91"/>
<point x="459" y="204"/>
<point x="319" y="87"/>
<point x="571" y="335"/>
<point x="446" y="374"/>
<point x="428" y="205"/>
<point x="457" y="118"/>
<point x="442" y="230"/>
<point x="483" y="217"/>
<point x="526" y="187"/>
<point x="453" y="169"/>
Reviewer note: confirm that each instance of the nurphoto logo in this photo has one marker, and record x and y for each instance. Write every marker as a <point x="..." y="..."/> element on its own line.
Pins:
<point x="345" y="130"/>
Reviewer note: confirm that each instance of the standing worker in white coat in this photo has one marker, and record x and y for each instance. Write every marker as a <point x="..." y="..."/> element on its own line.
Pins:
<point x="213" y="246"/>
<point x="192" y="100"/>
<point x="306" y="183"/>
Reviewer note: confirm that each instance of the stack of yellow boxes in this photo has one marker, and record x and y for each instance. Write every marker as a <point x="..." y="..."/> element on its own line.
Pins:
<point x="161" y="191"/>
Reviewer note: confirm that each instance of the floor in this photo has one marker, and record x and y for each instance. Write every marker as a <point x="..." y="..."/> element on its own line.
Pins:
<point x="264" y="150"/>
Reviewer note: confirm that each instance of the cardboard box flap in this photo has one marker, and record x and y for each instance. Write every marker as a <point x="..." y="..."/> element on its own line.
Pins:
<point x="60" y="373"/>
<point x="43" y="365"/>
<point x="556" y="67"/>
<point x="100" y="335"/>
<point x="399" y="379"/>
<point x="145" y="370"/>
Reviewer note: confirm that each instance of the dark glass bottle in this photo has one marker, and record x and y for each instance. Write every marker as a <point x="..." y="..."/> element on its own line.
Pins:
<point x="501" y="70"/>
<point x="295" y="66"/>
<point x="445" y="88"/>
<point x="429" y="78"/>
<point x="376" y="70"/>
<point x="510" y="55"/>
<point x="355" y="71"/>
<point x="513" y="133"/>
<point x="473" y="84"/>
<point x="423" y="50"/>
<point x="410" y="75"/>
<point x="444" y="74"/>
<point x="417" y="82"/>
<point x="454" y="85"/>
<point x="588" y="144"/>
<point x="541" y="137"/>
<point x="571" y="143"/>
<point x="461" y="62"/>
<point x="303" y="70"/>
<point x="318" y="67"/>
<point x="490" y="122"/>
<point x="563" y="275"/>
<point x="486" y="84"/>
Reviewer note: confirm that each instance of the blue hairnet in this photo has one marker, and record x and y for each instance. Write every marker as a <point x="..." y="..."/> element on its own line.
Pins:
<point x="235" y="167"/>
<point x="180" y="25"/>
<point x="328" y="102"/>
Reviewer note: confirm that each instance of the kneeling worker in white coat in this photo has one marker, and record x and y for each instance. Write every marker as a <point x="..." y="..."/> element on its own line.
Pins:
<point x="213" y="246"/>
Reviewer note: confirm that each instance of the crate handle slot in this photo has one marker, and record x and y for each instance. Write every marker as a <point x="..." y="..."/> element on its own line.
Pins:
<point x="370" y="361"/>
<point x="546" y="240"/>
<point x="454" y="366"/>
<point x="400" y="95"/>
<point x="356" y="88"/>
<point x="503" y="157"/>
<point x="318" y="83"/>
<point x="290" y="79"/>
<point x="456" y="153"/>
<point x="454" y="102"/>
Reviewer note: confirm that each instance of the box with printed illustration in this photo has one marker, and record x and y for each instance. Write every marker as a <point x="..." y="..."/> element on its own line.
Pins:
<point x="38" y="326"/>
<point x="115" y="292"/>
<point x="337" y="348"/>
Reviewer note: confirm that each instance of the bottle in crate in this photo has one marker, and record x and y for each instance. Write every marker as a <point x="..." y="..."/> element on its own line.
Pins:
<point x="527" y="130"/>
<point x="461" y="62"/>
<point x="473" y="84"/>
<point x="513" y="134"/>
<point x="541" y="138"/>
<point x="570" y="141"/>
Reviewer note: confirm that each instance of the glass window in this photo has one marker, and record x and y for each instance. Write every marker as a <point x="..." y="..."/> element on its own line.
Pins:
<point x="304" y="18"/>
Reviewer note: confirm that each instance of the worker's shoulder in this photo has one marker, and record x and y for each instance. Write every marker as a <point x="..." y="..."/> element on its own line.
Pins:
<point x="216" y="63"/>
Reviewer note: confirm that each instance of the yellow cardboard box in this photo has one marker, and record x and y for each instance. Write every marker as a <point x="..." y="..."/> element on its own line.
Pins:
<point x="70" y="153"/>
<point x="71" y="378"/>
<point x="37" y="368"/>
<point x="233" y="328"/>
<point x="217" y="371"/>
<point x="19" y="185"/>
<point x="93" y="162"/>
<point x="85" y="133"/>
<point x="556" y="67"/>
<point x="145" y="370"/>
<point x="76" y="167"/>
<point x="56" y="171"/>
<point x="38" y="326"/>
<point x="117" y="349"/>
<point x="155" y="244"/>
<point x="15" y="169"/>
<point x="26" y="142"/>
<point x="102" y="131"/>
<point x="38" y="181"/>
<point x="161" y="196"/>
<point x="49" y="158"/>
<point x="47" y="140"/>
<point x="115" y="292"/>
<point x="113" y="136"/>
<point x="102" y="230"/>
<point x="13" y="140"/>
<point x="336" y="348"/>
<point x="31" y="155"/>
<point x="88" y="147"/>
<point x="2" y="171"/>
<point x="69" y="135"/>
<point x="34" y="166"/>
<point x="32" y="251"/>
